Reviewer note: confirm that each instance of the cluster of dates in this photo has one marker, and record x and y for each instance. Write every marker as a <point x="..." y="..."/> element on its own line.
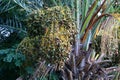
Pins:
<point x="51" y="34"/>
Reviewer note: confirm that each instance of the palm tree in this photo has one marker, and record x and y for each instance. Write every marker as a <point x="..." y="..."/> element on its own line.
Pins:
<point x="78" y="20"/>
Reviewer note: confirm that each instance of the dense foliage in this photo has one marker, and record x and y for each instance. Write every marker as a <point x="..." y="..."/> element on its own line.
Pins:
<point x="54" y="38"/>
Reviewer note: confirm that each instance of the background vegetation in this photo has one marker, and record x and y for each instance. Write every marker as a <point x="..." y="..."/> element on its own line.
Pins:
<point x="59" y="40"/>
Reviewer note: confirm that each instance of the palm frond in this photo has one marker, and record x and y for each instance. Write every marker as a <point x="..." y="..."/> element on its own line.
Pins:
<point x="29" y="5"/>
<point x="6" y="5"/>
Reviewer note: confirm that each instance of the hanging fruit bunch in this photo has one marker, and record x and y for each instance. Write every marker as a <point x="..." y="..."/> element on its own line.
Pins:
<point x="51" y="32"/>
